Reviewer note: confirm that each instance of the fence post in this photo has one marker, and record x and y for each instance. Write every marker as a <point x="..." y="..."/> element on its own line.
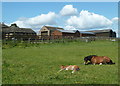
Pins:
<point x="42" y="40"/>
<point x="29" y="40"/>
<point x="21" y="40"/>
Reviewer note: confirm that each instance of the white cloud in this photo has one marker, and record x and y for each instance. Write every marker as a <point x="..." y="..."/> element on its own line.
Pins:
<point x="83" y="21"/>
<point x="68" y="10"/>
<point x="115" y="19"/>
<point x="69" y="27"/>
<point x="37" y="21"/>
<point x="87" y="20"/>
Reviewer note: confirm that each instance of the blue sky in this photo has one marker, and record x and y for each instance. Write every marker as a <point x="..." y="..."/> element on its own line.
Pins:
<point x="12" y="11"/>
<point x="15" y="12"/>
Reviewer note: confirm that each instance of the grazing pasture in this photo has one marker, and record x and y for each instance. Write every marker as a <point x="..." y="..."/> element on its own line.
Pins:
<point x="40" y="63"/>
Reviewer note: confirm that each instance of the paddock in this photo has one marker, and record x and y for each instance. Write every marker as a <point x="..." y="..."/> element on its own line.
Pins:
<point x="38" y="63"/>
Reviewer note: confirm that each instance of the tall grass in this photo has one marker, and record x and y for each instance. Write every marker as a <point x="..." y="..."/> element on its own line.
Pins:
<point x="39" y="64"/>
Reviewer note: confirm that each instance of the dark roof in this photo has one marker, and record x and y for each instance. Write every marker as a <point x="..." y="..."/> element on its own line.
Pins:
<point x="100" y="31"/>
<point x="16" y="29"/>
<point x="51" y="28"/>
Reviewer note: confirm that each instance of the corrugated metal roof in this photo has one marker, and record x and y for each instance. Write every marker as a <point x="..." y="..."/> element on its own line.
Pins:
<point x="100" y="31"/>
<point x="83" y="32"/>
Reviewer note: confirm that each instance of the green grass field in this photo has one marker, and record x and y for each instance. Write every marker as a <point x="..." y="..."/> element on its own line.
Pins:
<point x="39" y="64"/>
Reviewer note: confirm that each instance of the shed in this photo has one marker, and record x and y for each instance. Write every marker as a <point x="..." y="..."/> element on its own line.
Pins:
<point x="13" y="31"/>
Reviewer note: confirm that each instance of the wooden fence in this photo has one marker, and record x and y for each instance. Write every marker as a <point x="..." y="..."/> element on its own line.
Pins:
<point x="59" y="39"/>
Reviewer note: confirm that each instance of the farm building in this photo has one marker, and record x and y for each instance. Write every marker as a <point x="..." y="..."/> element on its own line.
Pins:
<point x="104" y="33"/>
<point x="56" y="32"/>
<point x="66" y="33"/>
<point x="47" y="30"/>
<point x="14" y="32"/>
<point x="87" y="34"/>
<point x="72" y="33"/>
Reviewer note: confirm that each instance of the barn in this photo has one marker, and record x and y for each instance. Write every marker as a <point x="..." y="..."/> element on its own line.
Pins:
<point x="104" y="33"/>
<point x="14" y="32"/>
<point x="87" y="34"/>
<point x="65" y="33"/>
<point x="57" y="32"/>
<point x="47" y="30"/>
